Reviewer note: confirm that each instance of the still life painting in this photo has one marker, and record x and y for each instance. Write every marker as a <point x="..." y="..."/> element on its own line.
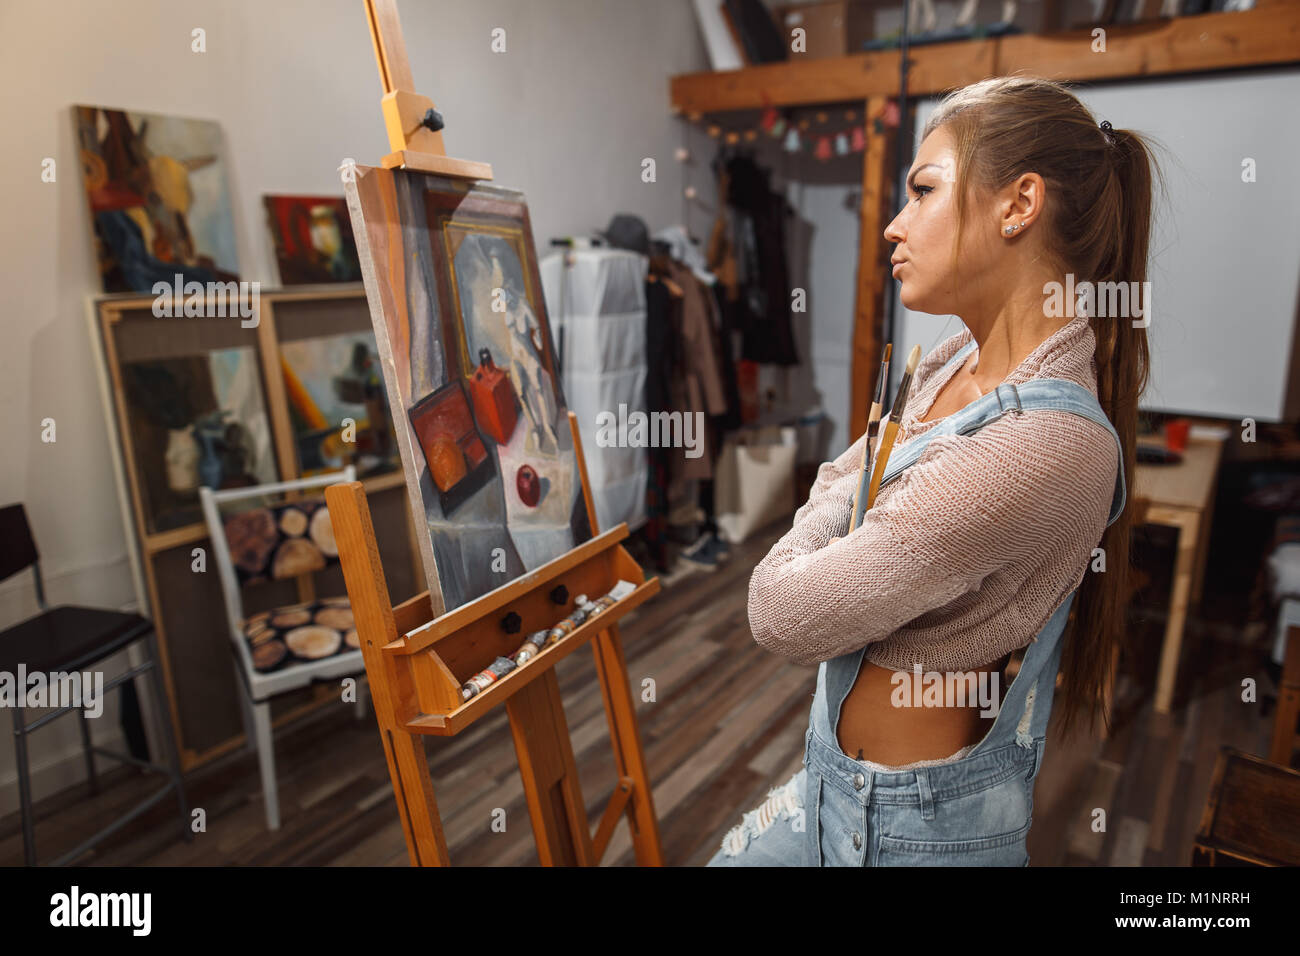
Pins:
<point x="158" y="196"/>
<point x="196" y="420"/>
<point x="460" y="321"/>
<point x="312" y="236"/>
<point x="337" y="404"/>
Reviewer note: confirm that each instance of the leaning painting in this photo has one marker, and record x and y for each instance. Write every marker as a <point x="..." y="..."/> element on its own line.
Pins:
<point x="451" y="276"/>
<point x="158" y="198"/>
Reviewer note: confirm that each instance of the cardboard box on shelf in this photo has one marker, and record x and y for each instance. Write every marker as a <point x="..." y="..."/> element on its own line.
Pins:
<point x="831" y="29"/>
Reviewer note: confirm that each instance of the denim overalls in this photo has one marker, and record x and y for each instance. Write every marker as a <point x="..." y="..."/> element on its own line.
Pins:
<point x="974" y="811"/>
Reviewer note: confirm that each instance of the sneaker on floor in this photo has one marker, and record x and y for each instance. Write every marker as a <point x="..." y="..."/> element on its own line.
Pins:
<point x="702" y="553"/>
<point x="721" y="549"/>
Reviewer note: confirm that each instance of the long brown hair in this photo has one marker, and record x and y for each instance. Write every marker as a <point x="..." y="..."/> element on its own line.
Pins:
<point x="1098" y="225"/>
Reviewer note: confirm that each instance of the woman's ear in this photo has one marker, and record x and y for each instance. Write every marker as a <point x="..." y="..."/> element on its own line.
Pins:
<point x="1026" y="197"/>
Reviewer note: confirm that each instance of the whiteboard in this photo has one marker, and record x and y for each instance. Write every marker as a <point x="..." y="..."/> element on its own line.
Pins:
<point x="1225" y="254"/>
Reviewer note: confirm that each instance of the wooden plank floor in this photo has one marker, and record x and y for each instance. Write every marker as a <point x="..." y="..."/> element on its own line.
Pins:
<point x="722" y="722"/>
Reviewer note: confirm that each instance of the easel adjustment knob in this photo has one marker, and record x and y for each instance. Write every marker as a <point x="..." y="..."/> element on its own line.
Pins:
<point x="512" y="623"/>
<point x="432" y="120"/>
<point x="560" y="594"/>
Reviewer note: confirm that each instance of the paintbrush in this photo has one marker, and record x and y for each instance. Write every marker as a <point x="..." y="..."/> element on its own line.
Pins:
<point x="891" y="429"/>
<point x="873" y="425"/>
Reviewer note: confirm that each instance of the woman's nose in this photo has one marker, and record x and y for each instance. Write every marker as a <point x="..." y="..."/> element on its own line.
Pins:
<point x="894" y="232"/>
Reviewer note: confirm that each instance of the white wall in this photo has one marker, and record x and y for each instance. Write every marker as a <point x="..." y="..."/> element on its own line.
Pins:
<point x="566" y="113"/>
<point x="1224" y="286"/>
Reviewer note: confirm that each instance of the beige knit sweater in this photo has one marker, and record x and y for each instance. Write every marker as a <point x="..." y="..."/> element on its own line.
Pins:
<point x="967" y="553"/>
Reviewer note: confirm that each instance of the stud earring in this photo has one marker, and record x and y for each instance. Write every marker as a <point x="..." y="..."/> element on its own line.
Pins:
<point x="1011" y="229"/>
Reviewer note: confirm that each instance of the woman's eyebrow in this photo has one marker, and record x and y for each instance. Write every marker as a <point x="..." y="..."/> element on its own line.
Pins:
<point x="911" y="179"/>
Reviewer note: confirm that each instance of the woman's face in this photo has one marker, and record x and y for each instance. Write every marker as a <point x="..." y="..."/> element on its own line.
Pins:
<point x="926" y="230"/>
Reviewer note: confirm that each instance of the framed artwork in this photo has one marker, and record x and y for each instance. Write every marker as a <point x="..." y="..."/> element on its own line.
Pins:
<point x="158" y="196"/>
<point x="196" y="420"/>
<point x="450" y="272"/>
<point x="165" y="375"/>
<point x="312" y="236"/>
<point x="337" y="404"/>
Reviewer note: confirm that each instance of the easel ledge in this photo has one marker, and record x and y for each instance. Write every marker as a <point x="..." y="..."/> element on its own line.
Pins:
<point x="458" y="637"/>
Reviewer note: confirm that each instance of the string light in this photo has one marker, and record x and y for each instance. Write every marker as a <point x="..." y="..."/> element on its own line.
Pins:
<point x="794" y="133"/>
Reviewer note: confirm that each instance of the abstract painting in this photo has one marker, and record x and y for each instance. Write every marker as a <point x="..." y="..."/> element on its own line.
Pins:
<point x="450" y="272"/>
<point x="337" y="404"/>
<point x="159" y="201"/>
<point x="313" y="240"/>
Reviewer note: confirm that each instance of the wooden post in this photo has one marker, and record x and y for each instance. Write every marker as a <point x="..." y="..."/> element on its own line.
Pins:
<point x="873" y="256"/>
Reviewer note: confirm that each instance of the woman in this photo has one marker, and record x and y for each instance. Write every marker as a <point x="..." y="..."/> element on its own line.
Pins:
<point x="1002" y="505"/>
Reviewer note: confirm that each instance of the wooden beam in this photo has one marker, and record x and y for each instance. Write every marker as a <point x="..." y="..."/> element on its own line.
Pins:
<point x="873" y="252"/>
<point x="1266" y="35"/>
<point x="390" y="47"/>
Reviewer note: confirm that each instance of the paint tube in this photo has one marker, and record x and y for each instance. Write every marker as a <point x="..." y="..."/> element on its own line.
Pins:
<point x="480" y="681"/>
<point x="548" y="636"/>
<point x="616" y="594"/>
<point x="529" y="648"/>
<point x="570" y="623"/>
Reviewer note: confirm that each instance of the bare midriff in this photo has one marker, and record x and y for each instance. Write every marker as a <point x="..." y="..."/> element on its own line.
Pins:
<point x="872" y="728"/>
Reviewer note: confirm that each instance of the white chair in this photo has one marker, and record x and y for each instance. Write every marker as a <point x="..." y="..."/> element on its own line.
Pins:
<point x="286" y="648"/>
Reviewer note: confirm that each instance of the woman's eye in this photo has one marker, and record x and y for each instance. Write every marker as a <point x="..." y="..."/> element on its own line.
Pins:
<point x="921" y="191"/>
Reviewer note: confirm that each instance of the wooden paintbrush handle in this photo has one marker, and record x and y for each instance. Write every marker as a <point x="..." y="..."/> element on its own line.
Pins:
<point x="863" y="468"/>
<point x="882" y="458"/>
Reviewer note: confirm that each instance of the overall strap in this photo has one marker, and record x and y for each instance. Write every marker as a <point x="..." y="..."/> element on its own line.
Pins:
<point x="1039" y="393"/>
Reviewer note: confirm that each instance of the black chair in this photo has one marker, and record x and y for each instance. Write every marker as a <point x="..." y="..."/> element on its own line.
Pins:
<point x="70" y="639"/>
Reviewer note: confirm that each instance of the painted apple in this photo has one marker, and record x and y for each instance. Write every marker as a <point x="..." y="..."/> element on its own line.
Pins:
<point x="528" y="485"/>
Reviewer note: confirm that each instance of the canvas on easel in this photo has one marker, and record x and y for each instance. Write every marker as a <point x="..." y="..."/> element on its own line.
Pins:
<point x="465" y="346"/>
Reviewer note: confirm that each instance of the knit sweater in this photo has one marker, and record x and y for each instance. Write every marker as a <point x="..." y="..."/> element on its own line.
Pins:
<point x="967" y="553"/>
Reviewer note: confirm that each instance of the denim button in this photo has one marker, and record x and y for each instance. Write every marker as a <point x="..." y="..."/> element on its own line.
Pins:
<point x="859" y="781"/>
<point x="857" y="840"/>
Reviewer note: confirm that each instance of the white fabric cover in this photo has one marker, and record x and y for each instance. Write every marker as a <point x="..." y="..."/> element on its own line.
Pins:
<point x="755" y="483"/>
<point x="598" y="315"/>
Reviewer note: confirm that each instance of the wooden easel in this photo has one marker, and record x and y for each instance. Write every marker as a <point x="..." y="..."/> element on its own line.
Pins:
<point x="416" y="662"/>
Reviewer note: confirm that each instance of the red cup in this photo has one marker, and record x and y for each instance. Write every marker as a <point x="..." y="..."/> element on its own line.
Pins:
<point x="1176" y="434"/>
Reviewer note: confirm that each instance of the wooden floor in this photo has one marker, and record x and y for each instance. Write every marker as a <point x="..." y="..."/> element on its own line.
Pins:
<point x="726" y="723"/>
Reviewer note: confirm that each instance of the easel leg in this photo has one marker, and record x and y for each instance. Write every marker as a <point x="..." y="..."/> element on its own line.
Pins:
<point x="629" y="757"/>
<point x="408" y="766"/>
<point x="550" y="774"/>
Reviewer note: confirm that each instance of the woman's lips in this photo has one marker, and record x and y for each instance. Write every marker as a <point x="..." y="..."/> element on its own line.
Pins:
<point x="898" y="266"/>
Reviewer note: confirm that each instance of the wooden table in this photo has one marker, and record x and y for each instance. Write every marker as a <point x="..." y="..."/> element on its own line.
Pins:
<point x="1182" y="497"/>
